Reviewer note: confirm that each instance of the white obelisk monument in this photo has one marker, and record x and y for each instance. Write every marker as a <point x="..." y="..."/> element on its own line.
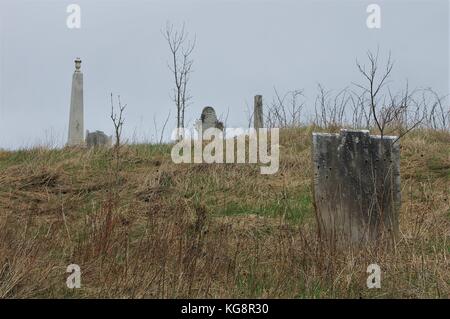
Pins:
<point x="76" y="127"/>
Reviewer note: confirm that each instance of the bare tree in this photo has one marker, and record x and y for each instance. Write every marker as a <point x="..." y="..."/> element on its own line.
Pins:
<point x="181" y="48"/>
<point x="117" y="119"/>
<point x="375" y="83"/>
<point x="361" y="117"/>
<point x="330" y="110"/>
<point x="438" y="117"/>
<point x="286" y="109"/>
<point x="161" y="136"/>
<point x="387" y="109"/>
<point x="249" y="113"/>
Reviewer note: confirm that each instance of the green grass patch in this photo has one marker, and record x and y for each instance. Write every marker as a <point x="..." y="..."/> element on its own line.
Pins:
<point x="439" y="167"/>
<point x="295" y="208"/>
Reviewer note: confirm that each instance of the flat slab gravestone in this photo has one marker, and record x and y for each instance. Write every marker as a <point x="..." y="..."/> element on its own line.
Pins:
<point x="357" y="191"/>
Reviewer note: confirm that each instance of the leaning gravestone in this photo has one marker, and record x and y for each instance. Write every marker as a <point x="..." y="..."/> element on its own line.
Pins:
<point x="98" y="138"/>
<point x="356" y="185"/>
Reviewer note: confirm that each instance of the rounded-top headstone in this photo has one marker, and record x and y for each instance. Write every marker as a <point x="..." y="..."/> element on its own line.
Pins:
<point x="209" y="118"/>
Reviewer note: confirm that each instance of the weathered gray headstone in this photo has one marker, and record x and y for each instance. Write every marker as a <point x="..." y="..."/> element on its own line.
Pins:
<point x="97" y="138"/>
<point x="258" y="112"/>
<point x="356" y="185"/>
<point x="208" y="119"/>
<point x="76" y="129"/>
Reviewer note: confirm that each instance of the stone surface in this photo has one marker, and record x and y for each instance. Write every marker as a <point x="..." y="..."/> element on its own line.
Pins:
<point x="98" y="138"/>
<point x="356" y="185"/>
<point x="258" y="121"/>
<point x="208" y="119"/>
<point x="76" y="121"/>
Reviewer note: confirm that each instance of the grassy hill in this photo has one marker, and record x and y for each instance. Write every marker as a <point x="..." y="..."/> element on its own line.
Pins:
<point x="151" y="228"/>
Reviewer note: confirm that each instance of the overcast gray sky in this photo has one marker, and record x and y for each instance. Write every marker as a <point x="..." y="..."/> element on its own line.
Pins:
<point x="244" y="47"/>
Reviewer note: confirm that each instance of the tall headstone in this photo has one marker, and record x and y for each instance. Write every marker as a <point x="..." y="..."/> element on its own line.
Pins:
<point x="76" y="126"/>
<point x="356" y="185"/>
<point x="258" y="112"/>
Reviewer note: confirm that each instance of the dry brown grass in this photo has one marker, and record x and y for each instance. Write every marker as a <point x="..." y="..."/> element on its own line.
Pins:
<point x="170" y="231"/>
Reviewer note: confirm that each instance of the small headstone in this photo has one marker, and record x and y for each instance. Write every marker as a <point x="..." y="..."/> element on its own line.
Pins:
<point x="356" y="185"/>
<point x="98" y="138"/>
<point x="76" y="121"/>
<point x="208" y="119"/>
<point x="258" y="112"/>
